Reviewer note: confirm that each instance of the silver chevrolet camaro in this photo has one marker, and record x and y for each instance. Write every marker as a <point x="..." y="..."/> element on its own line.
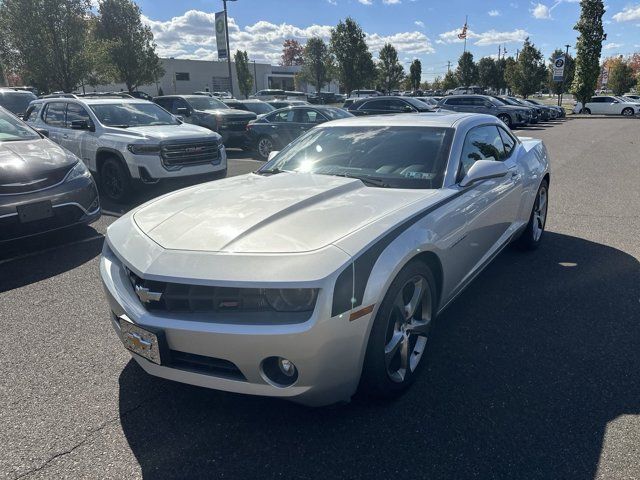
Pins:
<point x="323" y="271"/>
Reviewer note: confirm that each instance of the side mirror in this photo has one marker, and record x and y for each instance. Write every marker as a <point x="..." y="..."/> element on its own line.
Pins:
<point x="407" y="109"/>
<point x="42" y="131"/>
<point x="184" y="111"/>
<point x="81" y="125"/>
<point x="483" y="170"/>
<point x="616" y="101"/>
<point x="271" y="155"/>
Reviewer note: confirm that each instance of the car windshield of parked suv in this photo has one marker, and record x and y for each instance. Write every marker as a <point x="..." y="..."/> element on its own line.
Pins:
<point x="336" y="113"/>
<point x="16" y="102"/>
<point x="259" y="107"/>
<point x="12" y="129"/>
<point x="394" y="157"/>
<point x="205" y="103"/>
<point x="132" y="115"/>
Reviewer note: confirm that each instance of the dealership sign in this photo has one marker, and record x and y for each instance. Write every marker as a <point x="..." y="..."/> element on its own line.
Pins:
<point x="558" y="68"/>
<point x="221" y="35"/>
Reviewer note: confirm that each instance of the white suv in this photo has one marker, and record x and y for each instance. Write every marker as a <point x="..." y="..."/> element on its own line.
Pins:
<point x="124" y="140"/>
<point x="608" y="105"/>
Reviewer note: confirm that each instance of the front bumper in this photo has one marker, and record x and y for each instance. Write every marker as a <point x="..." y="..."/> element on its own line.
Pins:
<point x="234" y="139"/>
<point x="150" y="167"/>
<point x="73" y="202"/>
<point x="326" y="351"/>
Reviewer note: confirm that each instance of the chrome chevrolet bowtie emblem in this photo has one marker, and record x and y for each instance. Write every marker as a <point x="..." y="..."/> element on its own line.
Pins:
<point x="145" y="295"/>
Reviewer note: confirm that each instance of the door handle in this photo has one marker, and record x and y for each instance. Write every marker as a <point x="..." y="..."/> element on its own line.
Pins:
<point x="65" y="136"/>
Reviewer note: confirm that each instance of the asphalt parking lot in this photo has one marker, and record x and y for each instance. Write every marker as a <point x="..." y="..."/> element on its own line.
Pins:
<point x="534" y="371"/>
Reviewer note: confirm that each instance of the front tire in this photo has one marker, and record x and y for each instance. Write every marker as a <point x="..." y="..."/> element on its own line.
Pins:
<point x="264" y="146"/>
<point x="628" y="112"/>
<point x="586" y="111"/>
<point x="400" y="332"/>
<point x="506" y="119"/>
<point x="115" y="181"/>
<point x="532" y="235"/>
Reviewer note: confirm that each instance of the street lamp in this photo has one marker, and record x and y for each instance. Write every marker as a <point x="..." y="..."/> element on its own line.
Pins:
<point x="564" y="75"/>
<point x="226" y="34"/>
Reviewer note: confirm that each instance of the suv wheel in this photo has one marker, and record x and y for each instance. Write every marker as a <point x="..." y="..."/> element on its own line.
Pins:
<point x="115" y="180"/>
<point x="264" y="147"/>
<point x="627" y="112"/>
<point x="506" y="119"/>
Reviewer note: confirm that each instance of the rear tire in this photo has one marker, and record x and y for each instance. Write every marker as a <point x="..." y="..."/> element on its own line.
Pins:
<point x="532" y="235"/>
<point x="400" y="333"/>
<point x="264" y="146"/>
<point x="506" y="119"/>
<point x="585" y="111"/>
<point x="628" y="112"/>
<point x="115" y="181"/>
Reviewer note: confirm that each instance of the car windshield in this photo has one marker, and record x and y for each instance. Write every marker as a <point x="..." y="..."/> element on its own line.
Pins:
<point x="498" y="102"/>
<point x="394" y="157"/>
<point x="259" y="107"/>
<point x="535" y="102"/>
<point x="132" y="115"/>
<point x="16" y="102"/>
<point x="12" y="129"/>
<point x="205" y="103"/>
<point x="336" y="113"/>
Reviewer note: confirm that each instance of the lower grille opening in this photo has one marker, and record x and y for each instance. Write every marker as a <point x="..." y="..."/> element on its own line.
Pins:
<point x="11" y="227"/>
<point x="205" y="365"/>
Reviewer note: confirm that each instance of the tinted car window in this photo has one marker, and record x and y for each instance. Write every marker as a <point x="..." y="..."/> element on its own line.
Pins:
<point x="205" y="103"/>
<point x="16" y="102"/>
<point x="375" y="105"/>
<point x="335" y="113"/>
<point x="309" y="116"/>
<point x="54" y="114"/>
<point x="395" y="105"/>
<point x="481" y="143"/>
<point x="165" y="103"/>
<point x="286" y="116"/>
<point x="508" y="141"/>
<point x="76" y="112"/>
<point x="453" y="101"/>
<point x="31" y="115"/>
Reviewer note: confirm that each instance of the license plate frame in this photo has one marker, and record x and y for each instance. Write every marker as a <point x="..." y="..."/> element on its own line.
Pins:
<point x="149" y="343"/>
<point x="32" y="212"/>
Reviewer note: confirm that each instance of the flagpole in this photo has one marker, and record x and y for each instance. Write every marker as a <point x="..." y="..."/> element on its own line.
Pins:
<point x="466" y="18"/>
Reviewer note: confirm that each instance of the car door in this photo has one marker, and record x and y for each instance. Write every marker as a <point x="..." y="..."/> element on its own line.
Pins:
<point x="307" y="118"/>
<point x="596" y="106"/>
<point x="466" y="104"/>
<point x="490" y="207"/>
<point x="282" y="127"/>
<point x="80" y="142"/>
<point x="612" y="105"/>
<point x="181" y="108"/>
<point x="54" y="118"/>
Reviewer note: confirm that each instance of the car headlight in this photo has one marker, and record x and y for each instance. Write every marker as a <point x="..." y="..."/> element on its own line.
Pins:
<point x="144" y="149"/>
<point x="292" y="299"/>
<point x="79" y="170"/>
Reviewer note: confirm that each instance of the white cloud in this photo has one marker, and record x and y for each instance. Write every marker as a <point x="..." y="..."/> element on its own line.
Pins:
<point x="332" y="2"/>
<point x="541" y="12"/>
<point x="490" y="37"/>
<point x="391" y="2"/>
<point x="612" y="46"/>
<point x="494" y="13"/>
<point x="419" y="23"/>
<point x="191" y="36"/>
<point x="365" y="2"/>
<point x="628" y="14"/>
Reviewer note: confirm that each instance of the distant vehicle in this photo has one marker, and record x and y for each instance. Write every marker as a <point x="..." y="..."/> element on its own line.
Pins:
<point x="222" y="94"/>
<point x="511" y="115"/>
<point x="323" y="98"/>
<point x="16" y="101"/>
<point x="206" y="94"/>
<point x="127" y="140"/>
<point x="286" y="103"/>
<point x="364" y="93"/>
<point x="472" y="90"/>
<point x="277" y="129"/>
<point x="608" y="105"/>
<point x="211" y="113"/>
<point x="632" y="97"/>
<point x="43" y="186"/>
<point x="432" y="102"/>
<point x="294" y="95"/>
<point x="270" y="94"/>
<point x="142" y="95"/>
<point x="256" y="106"/>
<point x="387" y="105"/>
<point x="534" y="112"/>
<point x="553" y="108"/>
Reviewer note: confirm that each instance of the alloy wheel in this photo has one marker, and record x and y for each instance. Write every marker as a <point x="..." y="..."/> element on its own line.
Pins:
<point x="265" y="145"/>
<point x="408" y="328"/>
<point x="627" y="112"/>
<point x="540" y="214"/>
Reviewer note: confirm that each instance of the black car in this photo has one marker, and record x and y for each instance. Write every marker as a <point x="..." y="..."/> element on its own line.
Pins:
<point x="211" y="113"/>
<point x="142" y="95"/>
<point x="256" y="106"/>
<point x="323" y="98"/>
<point x="286" y="103"/>
<point x="277" y="129"/>
<point x="16" y="101"/>
<point x="43" y="187"/>
<point x="537" y="114"/>
<point x="386" y="105"/>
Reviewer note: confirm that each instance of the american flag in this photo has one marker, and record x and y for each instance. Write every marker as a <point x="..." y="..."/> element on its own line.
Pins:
<point x="463" y="34"/>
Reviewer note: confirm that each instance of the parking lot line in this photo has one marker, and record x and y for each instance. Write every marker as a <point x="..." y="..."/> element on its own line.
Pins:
<point x="51" y="249"/>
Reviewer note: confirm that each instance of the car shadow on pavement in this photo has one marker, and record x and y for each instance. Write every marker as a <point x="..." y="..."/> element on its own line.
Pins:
<point x="526" y="369"/>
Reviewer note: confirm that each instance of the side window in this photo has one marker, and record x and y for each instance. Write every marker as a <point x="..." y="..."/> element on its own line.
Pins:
<point x="76" y="112"/>
<point x="508" y="141"/>
<point x="309" y="116"/>
<point x="465" y="101"/>
<point x="179" y="103"/>
<point x="165" y="103"/>
<point x="375" y="105"/>
<point x="31" y="115"/>
<point x="285" y="116"/>
<point x="54" y="114"/>
<point x="481" y="143"/>
<point x="398" y="106"/>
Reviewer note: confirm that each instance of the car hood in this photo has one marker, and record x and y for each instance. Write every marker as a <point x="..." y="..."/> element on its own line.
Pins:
<point x="284" y="213"/>
<point x="228" y="113"/>
<point x="165" y="132"/>
<point x="32" y="160"/>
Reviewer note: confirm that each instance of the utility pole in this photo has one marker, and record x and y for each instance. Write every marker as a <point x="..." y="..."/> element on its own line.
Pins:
<point x="448" y="66"/>
<point x="499" y="51"/>
<point x="226" y="34"/>
<point x="564" y="75"/>
<point x="255" y="77"/>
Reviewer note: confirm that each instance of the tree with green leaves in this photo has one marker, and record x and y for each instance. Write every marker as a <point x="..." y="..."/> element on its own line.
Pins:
<point x="354" y="63"/>
<point x="450" y="81"/>
<point x="2" y="76"/>
<point x="510" y="73"/>
<point x="46" y="41"/>
<point x="317" y="63"/>
<point x="588" y="48"/>
<point x="243" y="72"/>
<point x="436" y="84"/>
<point x="467" y="71"/>
<point x="415" y="74"/>
<point x="569" y="69"/>
<point x="131" y="46"/>
<point x="501" y="67"/>
<point x="526" y="75"/>
<point x="620" y="76"/>
<point x="390" y="71"/>
<point x="487" y="73"/>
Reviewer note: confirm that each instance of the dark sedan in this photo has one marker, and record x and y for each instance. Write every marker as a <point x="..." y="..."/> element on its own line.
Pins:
<point x="386" y="105"/>
<point x="277" y="129"/>
<point x="42" y="186"/>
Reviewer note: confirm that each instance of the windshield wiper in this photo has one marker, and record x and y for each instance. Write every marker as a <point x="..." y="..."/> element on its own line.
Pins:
<point x="371" y="181"/>
<point x="270" y="171"/>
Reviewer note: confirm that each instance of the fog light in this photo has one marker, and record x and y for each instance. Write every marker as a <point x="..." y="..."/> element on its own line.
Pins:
<point x="279" y="371"/>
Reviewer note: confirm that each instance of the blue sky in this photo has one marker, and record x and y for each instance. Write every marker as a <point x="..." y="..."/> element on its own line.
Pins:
<point x="424" y="29"/>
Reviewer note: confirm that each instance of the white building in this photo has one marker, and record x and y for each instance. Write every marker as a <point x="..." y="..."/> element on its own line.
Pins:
<point x="187" y="76"/>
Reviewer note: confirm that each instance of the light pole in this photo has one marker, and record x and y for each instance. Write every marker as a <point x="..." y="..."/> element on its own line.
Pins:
<point x="226" y="34"/>
<point x="564" y="75"/>
<point x="255" y="77"/>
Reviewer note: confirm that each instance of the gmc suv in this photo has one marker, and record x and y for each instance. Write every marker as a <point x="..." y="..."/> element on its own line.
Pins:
<point x="124" y="140"/>
<point x="210" y="113"/>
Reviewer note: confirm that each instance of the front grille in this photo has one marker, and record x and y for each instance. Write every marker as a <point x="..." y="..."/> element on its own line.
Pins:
<point x="237" y="125"/>
<point x="216" y="367"/>
<point x="190" y="153"/>
<point x="27" y="185"/>
<point x="11" y="227"/>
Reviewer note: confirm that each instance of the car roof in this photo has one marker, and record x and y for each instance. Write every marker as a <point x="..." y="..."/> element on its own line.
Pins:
<point x="93" y="101"/>
<point x="433" y="119"/>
